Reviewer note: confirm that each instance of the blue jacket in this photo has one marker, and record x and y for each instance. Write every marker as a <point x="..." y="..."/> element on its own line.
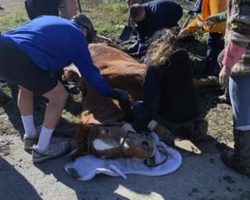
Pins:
<point x="159" y="14"/>
<point x="53" y="43"/>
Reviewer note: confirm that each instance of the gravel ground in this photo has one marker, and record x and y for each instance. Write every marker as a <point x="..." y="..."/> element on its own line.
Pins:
<point x="201" y="177"/>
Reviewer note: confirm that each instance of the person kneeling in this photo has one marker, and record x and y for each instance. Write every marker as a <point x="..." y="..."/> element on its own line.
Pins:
<point x="169" y="98"/>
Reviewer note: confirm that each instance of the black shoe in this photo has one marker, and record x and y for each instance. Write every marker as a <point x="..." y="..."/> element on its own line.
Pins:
<point x="168" y="138"/>
<point x="230" y="160"/>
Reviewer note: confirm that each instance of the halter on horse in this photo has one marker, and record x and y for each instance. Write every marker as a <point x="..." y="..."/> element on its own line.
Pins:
<point x="97" y="137"/>
<point x="112" y="140"/>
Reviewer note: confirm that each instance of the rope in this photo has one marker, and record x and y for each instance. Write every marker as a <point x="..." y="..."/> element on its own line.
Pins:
<point x="150" y="162"/>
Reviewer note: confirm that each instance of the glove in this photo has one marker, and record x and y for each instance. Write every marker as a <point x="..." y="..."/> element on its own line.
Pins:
<point x="124" y="101"/>
<point x="214" y="19"/>
<point x="120" y="95"/>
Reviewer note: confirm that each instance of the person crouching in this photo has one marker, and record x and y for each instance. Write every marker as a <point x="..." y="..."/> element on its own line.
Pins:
<point x="169" y="98"/>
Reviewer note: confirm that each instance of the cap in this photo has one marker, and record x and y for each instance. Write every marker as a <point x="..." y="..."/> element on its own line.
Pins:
<point x="82" y="20"/>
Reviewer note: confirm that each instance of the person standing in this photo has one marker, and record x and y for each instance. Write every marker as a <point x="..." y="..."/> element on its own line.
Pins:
<point x="211" y="21"/>
<point x="215" y="40"/>
<point x="236" y="70"/>
<point x="31" y="54"/>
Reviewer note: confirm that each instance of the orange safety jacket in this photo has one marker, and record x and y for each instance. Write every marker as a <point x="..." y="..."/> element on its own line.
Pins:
<point x="209" y="8"/>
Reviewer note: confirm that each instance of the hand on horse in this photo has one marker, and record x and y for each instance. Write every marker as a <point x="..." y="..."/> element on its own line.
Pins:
<point x="124" y="100"/>
<point x="120" y="95"/>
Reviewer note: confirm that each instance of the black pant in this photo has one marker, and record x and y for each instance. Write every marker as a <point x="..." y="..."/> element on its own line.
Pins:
<point x="36" y="8"/>
<point x="17" y="67"/>
<point x="215" y="44"/>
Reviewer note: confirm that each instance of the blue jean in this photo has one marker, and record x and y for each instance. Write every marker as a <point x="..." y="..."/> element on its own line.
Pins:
<point x="239" y="91"/>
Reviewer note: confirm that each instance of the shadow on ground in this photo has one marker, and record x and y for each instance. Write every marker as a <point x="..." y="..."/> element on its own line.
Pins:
<point x="201" y="177"/>
<point x="18" y="185"/>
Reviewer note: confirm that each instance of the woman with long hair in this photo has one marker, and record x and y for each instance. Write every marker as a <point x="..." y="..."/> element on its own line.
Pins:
<point x="169" y="99"/>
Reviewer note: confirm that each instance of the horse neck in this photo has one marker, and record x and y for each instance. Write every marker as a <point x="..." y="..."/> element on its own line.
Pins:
<point x="98" y="108"/>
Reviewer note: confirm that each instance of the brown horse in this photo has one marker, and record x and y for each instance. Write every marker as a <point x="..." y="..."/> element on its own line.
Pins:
<point x="99" y="133"/>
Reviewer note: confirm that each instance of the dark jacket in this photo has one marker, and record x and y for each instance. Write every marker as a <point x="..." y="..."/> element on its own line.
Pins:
<point x="159" y="15"/>
<point x="169" y="94"/>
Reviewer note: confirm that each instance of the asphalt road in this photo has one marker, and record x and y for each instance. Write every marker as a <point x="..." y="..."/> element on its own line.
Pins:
<point x="201" y="177"/>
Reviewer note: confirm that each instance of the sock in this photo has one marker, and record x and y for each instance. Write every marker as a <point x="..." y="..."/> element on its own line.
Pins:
<point x="29" y="126"/>
<point x="44" y="138"/>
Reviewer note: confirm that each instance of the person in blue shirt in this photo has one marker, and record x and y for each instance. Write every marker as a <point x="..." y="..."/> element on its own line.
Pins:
<point x="151" y="17"/>
<point x="31" y="54"/>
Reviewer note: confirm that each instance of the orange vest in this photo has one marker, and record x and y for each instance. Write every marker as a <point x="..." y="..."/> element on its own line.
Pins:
<point x="209" y="8"/>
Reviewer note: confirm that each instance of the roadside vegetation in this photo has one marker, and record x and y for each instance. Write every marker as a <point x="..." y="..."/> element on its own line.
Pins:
<point x="12" y="20"/>
<point x="108" y="18"/>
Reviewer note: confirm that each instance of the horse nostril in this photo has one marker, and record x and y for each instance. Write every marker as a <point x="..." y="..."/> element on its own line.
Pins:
<point x="145" y="144"/>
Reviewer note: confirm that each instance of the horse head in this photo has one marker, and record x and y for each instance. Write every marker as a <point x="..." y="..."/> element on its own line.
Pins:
<point x="113" y="140"/>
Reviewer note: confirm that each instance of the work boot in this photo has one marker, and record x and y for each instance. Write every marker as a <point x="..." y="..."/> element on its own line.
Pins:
<point x="239" y="160"/>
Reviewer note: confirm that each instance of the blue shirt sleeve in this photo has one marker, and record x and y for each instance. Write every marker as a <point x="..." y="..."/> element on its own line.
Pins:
<point x="88" y="70"/>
